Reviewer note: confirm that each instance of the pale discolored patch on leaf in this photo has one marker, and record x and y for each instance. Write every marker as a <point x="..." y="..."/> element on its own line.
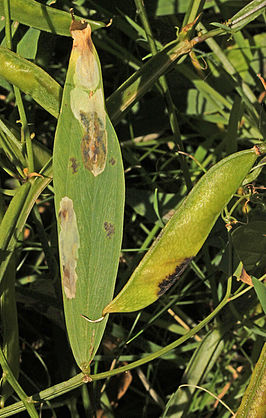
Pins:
<point x="87" y="74"/>
<point x="87" y="102"/>
<point x="68" y="246"/>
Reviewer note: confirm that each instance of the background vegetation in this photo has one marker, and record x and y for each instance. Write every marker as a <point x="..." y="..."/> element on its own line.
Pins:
<point x="207" y="106"/>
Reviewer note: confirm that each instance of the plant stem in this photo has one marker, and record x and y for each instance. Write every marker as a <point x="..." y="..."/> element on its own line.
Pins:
<point x="171" y="346"/>
<point x="172" y="112"/>
<point x="25" y="133"/>
<point x="79" y="379"/>
<point x="27" y="401"/>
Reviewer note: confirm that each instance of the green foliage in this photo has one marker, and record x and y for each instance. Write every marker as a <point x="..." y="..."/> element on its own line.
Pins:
<point x="177" y="245"/>
<point x="175" y="118"/>
<point x="89" y="202"/>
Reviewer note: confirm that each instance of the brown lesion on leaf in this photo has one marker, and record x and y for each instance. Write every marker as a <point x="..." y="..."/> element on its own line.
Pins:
<point x="109" y="229"/>
<point x="76" y="24"/>
<point x="169" y="280"/>
<point x="62" y="215"/>
<point x="93" y="143"/>
<point x="112" y="161"/>
<point x="81" y="32"/>
<point x="84" y="120"/>
<point x="74" y="165"/>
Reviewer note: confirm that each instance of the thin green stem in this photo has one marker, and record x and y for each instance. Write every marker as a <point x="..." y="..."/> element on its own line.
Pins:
<point x="8" y="32"/>
<point x="146" y="25"/>
<point x="247" y="289"/>
<point x="12" y="153"/>
<point x="242" y="88"/>
<point x="25" y="132"/>
<point x="171" y="346"/>
<point x="79" y="379"/>
<point x="17" y="214"/>
<point x="172" y="112"/>
<point x="237" y="203"/>
<point x="27" y="401"/>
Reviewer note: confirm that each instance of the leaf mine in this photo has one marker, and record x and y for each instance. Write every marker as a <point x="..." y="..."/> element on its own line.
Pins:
<point x="68" y="246"/>
<point x="87" y="100"/>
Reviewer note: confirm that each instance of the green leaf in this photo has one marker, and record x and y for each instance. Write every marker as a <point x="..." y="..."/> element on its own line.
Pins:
<point x="249" y="242"/>
<point x="201" y="363"/>
<point x="40" y="16"/>
<point x="89" y="198"/>
<point x="17" y="214"/>
<point x="260" y="289"/>
<point x="27" y="46"/>
<point x="250" y="12"/>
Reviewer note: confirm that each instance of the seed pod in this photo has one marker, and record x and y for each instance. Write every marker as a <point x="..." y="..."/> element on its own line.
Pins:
<point x="89" y="197"/>
<point x="31" y="79"/>
<point x="185" y="233"/>
<point x="253" y="403"/>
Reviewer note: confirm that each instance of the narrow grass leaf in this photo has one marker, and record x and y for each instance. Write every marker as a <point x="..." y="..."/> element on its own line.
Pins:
<point x="9" y="330"/>
<point x="40" y="16"/>
<point x="9" y="323"/>
<point x="250" y="12"/>
<point x="17" y="214"/>
<point x="28" y="45"/>
<point x="201" y="363"/>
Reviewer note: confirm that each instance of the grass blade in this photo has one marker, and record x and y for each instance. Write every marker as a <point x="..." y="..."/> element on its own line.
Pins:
<point x="40" y="16"/>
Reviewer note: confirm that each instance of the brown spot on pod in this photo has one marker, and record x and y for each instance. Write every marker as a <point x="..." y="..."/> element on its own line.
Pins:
<point x="169" y="280"/>
<point x="109" y="228"/>
<point x="68" y="246"/>
<point x="74" y="165"/>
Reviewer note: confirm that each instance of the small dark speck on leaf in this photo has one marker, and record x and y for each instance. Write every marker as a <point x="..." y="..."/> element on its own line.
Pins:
<point x="171" y="278"/>
<point x="112" y="161"/>
<point x="74" y="165"/>
<point x="63" y="214"/>
<point x="109" y="228"/>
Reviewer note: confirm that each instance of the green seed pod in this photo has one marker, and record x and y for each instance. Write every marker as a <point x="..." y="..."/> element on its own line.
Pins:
<point x="253" y="404"/>
<point x="185" y="233"/>
<point x="31" y="79"/>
